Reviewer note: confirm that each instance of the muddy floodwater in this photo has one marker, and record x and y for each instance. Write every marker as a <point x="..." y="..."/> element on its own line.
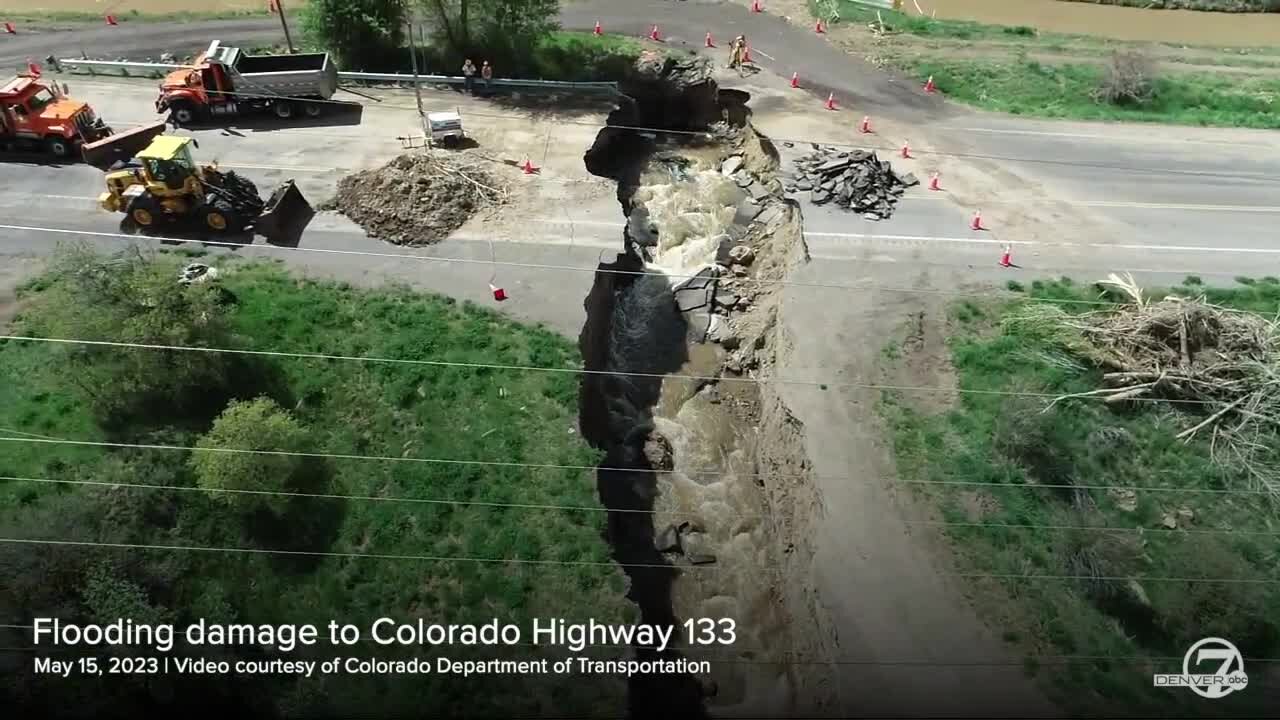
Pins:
<point x="1188" y="27"/>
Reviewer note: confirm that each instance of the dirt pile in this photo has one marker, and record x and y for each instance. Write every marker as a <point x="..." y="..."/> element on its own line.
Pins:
<point x="417" y="199"/>
<point x="856" y="179"/>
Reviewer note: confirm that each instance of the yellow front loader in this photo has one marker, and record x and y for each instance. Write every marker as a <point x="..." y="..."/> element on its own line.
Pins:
<point x="165" y="186"/>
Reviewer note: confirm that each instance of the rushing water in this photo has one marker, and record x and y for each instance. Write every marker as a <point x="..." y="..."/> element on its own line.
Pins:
<point x="1188" y="27"/>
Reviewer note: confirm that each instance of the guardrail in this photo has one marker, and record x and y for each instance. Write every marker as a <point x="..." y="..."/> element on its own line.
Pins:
<point x="149" y="69"/>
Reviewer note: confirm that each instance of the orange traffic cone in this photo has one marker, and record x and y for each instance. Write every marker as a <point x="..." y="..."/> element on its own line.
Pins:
<point x="653" y="34"/>
<point x="933" y="182"/>
<point x="831" y="101"/>
<point x="865" y="128"/>
<point x="528" y="167"/>
<point x="709" y="42"/>
<point x="906" y="150"/>
<point x="929" y="86"/>
<point x="498" y="293"/>
<point x="819" y="28"/>
<point x="597" y="30"/>
<point x="9" y="28"/>
<point x="32" y="68"/>
<point x="795" y="80"/>
<point x="1006" y="258"/>
<point x="746" y="53"/>
<point x="111" y="19"/>
<point x="976" y="224"/>
<point x="755" y="6"/>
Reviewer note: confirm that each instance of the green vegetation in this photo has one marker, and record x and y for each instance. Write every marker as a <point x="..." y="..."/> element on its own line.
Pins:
<point x="584" y="57"/>
<point x="1095" y="456"/>
<point x="518" y="37"/>
<point x="1022" y="71"/>
<point x="1027" y="87"/>
<point x="357" y="32"/>
<point x="241" y="479"/>
<point x="392" y="411"/>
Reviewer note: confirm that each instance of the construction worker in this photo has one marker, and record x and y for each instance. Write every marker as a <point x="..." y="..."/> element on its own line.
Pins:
<point x="468" y="74"/>
<point x="736" y="49"/>
<point x="486" y="73"/>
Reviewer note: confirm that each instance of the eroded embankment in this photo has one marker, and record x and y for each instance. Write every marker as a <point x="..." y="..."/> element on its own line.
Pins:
<point x="714" y="461"/>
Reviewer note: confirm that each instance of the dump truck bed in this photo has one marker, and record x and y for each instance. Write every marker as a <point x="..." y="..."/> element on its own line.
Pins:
<point x="121" y="147"/>
<point x="302" y="75"/>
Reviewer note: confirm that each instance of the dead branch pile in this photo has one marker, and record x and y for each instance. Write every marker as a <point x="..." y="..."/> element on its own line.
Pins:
<point x="418" y="198"/>
<point x="1223" y="366"/>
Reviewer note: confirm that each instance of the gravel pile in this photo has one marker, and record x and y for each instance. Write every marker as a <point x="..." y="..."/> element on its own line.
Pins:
<point x="416" y="199"/>
<point x="853" y="179"/>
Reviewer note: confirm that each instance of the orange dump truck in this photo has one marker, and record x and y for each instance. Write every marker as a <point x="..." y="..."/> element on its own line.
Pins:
<point x="38" y="115"/>
<point x="224" y="81"/>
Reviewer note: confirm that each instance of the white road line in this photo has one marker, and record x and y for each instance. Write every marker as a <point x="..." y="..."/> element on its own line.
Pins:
<point x="1037" y="243"/>
<point x="1145" y="138"/>
<point x="1175" y="206"/>
<point x="589" y="223"/>
<point x="758" y="50"/>
<point x="856" y="236"/>
<point x="1119" y="204"/>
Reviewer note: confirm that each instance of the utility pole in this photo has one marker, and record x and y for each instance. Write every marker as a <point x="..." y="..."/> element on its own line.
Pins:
<point x="279" y="6"/>
<point x="413" y="59"/>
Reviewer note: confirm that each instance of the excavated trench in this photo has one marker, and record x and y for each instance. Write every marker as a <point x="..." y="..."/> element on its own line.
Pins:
<point x="691" y="294"/>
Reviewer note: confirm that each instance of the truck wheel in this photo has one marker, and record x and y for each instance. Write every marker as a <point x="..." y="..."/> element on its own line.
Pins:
<point x="284" y="110"/>
<point x="58" y="147"/>
<point x="183" y="114"/>
<point x="220" y="217"/>
<point x="312" y="110"/>
<point x="144" y="213"/>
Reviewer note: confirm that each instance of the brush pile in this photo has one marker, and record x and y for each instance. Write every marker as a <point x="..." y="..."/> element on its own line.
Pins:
<point x="417" y="199"/>
<point x="1220" y="366"/>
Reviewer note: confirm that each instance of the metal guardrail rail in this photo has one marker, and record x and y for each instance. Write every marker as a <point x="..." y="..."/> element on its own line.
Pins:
<point x="150" y="69"/>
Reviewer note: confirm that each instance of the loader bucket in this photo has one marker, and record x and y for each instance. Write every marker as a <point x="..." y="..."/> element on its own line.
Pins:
<point x="120" y="147"/>
<point x="285" y="215"/>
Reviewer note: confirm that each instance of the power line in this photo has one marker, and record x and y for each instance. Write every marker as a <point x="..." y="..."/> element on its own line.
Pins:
<point x="689" y="473"/>
<point x="541" y="266"/>
<point x="601" y="509"/>
<point x="583" y="371"/>
<point x="798" y="141"/>
<point x="593" y="563"/>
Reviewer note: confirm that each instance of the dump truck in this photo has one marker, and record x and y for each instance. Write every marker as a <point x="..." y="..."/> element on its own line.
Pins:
<point x="35" y="115"/>
<point x="164" y="187"/>
<point x="224" y="81"/>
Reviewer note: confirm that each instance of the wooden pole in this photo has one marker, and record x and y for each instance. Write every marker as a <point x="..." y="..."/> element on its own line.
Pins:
<point x="285" y="24"/>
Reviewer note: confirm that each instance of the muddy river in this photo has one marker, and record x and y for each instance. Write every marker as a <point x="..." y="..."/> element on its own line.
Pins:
<point x="1123" y="23"/>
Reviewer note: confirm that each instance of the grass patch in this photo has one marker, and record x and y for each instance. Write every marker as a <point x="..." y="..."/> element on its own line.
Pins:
<point x="1028" y="87"/>
<point x="396" y="411"/>
<point x="1007" y="80"/>
<point x="1008" y="442"/>
<point x="585" y="57"/>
